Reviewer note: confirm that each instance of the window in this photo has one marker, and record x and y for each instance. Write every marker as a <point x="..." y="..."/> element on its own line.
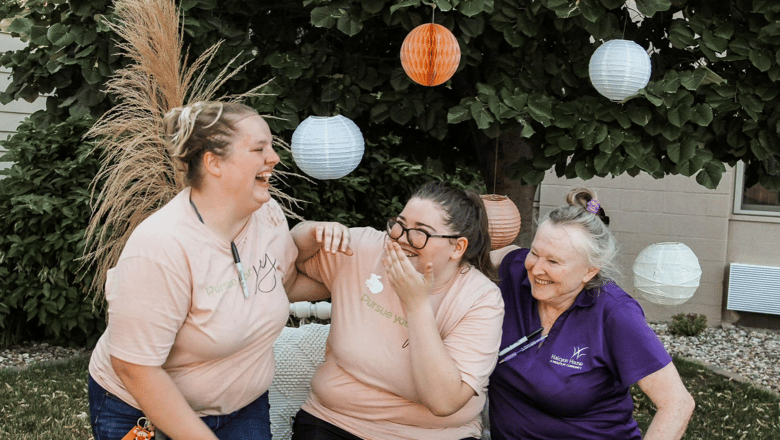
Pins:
<point x="757" y="200"/>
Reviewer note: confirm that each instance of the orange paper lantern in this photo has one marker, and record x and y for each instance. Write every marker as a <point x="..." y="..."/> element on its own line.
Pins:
<point x="503" y="220"/>
<point x="430" y="54"/>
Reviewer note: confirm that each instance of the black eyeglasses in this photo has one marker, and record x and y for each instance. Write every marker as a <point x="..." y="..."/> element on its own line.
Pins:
<point x="417" y="237"/>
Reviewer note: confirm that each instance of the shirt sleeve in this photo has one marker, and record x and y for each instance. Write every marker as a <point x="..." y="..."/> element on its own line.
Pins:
<point x="324" y="266"/>
<point x="473" y="343"/>
<point x="634" y="348"/>
<point x="147" y="305"/>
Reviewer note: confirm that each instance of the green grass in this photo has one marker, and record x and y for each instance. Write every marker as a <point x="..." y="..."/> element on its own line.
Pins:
<point x="724" y="409"/>
<point x="43" y="402"/>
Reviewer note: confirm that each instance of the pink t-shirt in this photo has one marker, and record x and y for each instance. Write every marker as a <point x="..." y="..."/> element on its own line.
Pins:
<point x="365" y="385"/>
<point x="174" y="300"/>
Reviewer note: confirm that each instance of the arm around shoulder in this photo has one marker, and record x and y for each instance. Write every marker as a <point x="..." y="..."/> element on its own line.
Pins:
<point x="310" y="237"/>
<point x="673" y="402"/>
<point x="497" y="256"/>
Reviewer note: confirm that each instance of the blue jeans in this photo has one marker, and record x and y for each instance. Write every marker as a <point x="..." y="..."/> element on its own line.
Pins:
<point x="112" y="418"/>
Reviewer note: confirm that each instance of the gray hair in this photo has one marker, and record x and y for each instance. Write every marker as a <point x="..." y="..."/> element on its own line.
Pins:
<point x="600" y="245"/>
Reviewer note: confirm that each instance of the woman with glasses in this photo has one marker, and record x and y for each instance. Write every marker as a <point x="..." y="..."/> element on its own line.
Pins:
<point x="416" y="322"/>
<point x="574" y="342"/>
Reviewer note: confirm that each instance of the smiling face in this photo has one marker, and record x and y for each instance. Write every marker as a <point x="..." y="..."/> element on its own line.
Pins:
<point x="250" y="161"/>
<point x="442" y="252"/>
<point x="557" y="267"/>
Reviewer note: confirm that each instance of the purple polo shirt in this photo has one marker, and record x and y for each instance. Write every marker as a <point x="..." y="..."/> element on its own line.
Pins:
<point x="575" y="385"/>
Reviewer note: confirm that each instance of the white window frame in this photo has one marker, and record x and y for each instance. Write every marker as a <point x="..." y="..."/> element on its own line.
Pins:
<point x="739" y="189"/>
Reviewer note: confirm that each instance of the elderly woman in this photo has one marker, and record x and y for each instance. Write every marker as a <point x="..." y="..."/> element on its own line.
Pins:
<point x="416" y="322"/>
<point x="574" y="342"/>
<point x="198" y="295"/>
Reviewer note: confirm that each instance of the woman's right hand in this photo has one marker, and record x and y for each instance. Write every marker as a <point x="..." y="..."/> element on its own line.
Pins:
<point x="332" y="237"/>
<point x="310" y="237"/>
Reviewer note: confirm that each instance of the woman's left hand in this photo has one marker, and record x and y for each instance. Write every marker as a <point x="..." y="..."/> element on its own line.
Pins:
<point x="411" y="286"/>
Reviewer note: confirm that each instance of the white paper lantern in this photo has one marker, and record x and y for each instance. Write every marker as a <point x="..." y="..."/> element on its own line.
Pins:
<point x="667" y="273"/>
<point x="619" y="69"/>
<point x="327" y="147"/>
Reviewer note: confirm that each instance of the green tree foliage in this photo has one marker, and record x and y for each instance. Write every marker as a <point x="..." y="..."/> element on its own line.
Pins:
<point x="523" y="72"/>
<point x="520" y="104"/>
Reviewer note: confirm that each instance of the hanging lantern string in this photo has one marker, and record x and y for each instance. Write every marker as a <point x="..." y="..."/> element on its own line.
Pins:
<point x="495" y="162"/>
<point x="625" y="23"/>
<point x="329" y="42"/>
<point x="433" y="11"/>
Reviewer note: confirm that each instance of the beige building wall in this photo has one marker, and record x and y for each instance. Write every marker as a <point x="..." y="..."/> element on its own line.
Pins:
<point x="754" y="239"/>
<point x="644" y="211"/>
<point x="14" y="112"/>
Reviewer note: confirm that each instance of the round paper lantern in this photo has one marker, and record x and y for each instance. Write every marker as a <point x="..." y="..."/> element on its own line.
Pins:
<point x="619" y="69"/>
<point x="327" y="147"/>
<point x="430" y="54"/>
<point x="503" y="220"/>
<point x="667" y="273"/>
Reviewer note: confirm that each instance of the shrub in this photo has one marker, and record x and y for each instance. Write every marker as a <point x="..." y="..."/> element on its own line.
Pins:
<point x="688" y="325"/>
<point x="44" y="209"/>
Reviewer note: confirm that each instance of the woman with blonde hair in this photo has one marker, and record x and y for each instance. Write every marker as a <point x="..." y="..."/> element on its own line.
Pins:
<point x="574" y="342"/>
<point x="198" y="294"/>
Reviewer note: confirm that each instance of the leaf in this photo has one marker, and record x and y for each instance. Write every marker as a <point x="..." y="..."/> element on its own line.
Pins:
<point x="404" y="4"/>
<point x="38" y="36"/>
<point x="702" y="115"/>
<point x="472" y="27"/>
<point x="470" y="8"/>
<point x="724" y="30"/>
<point x="458" y="114"/>
<point x="751" y="103"/>
<point x="648" y="8"/>
<point x="566" y="143"/>
<point x="486" y="89"/>
<point x="601" y="162"/>
<point x="762" y="59"/>
<point x="639" y="115"/>
<point x="583" y="171"/>
<point x="186" y="5"/>
<point x="701" y="76"/>
<point x="90" y="73"/>
<point x="710" y="175"/>
<point x="528" y="131"/>
<point x="349" y="25"/>
<point x="714" y="43"/>
<point x="769" y="32"/>
<point x="481" y="115"/>
<point x="59" y="36"/>
<point x="20" y="25"/>
<point x="681" y="35"/>
<point x="373" y="6"/>
<point x="444" y="5"/>
<point x="590" y="10"/>
<point x="322" y="17"/>
<point x="540" y="108"/>
<point x="83" y="36"/>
